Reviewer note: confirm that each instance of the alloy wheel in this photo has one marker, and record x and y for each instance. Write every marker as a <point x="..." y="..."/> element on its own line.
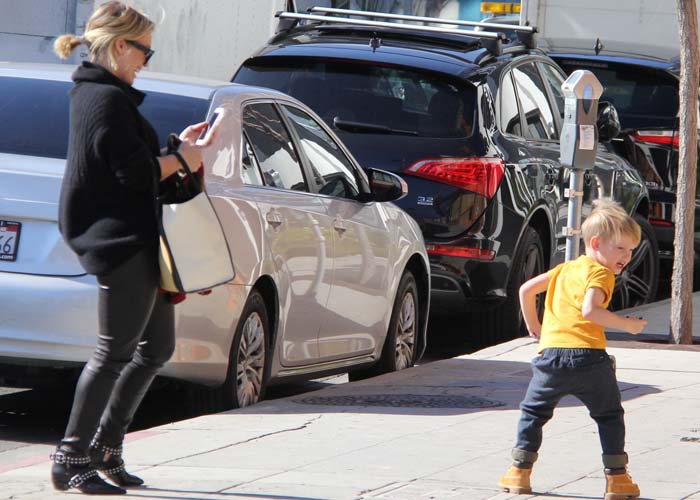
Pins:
<point x="250" y="361"/>
<point x="406" y="332"/>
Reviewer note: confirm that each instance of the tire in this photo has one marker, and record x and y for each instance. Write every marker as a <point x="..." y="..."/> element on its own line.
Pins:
<point x="528" y="262"/>
<point x="638" y="281"/>
<point x="399" y="350"/>
<point x="247" y="376"/>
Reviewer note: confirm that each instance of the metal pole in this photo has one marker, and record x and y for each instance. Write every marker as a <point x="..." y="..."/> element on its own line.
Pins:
<point x="575" y="195"/>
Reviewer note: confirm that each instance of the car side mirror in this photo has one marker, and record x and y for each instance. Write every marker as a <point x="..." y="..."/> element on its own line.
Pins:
<point x="386" y="186"/>
<point x="608" y="122"/>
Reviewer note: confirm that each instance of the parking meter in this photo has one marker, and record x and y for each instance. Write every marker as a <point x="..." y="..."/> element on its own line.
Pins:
<point x="578" y="146"/>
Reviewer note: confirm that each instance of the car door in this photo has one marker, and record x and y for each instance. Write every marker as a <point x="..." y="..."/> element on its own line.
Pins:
<point x="357" y="305"/>
<point x="297" y="234"/>
<point x="541" y="127"/>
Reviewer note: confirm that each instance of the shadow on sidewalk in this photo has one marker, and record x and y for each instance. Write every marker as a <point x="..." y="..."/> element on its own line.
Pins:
<point x="457" y="386"/>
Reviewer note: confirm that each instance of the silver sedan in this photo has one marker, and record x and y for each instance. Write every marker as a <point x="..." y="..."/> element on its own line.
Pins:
<point x="330" y="275"/>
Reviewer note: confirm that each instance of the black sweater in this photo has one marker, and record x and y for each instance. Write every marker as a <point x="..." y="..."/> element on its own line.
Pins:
<point x="106" y="210"/>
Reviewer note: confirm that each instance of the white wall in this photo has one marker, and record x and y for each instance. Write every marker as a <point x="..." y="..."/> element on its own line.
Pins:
<point x="208" y="38"/>
<point x="28" y="27"/>
<point x="204" y="38"/>
<point x="647" y="22"/>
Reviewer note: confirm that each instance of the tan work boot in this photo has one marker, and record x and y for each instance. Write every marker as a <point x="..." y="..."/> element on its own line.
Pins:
<point x="516" y="481"/>
<point x="620" y="487"/>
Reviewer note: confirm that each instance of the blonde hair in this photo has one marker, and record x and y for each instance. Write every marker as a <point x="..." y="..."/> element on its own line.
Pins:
<point x="110" y="21"/>
<point x="609" y="221"/>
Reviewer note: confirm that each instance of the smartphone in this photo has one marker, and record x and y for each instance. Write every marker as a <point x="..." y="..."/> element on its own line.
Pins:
<point x="213" y="120"/>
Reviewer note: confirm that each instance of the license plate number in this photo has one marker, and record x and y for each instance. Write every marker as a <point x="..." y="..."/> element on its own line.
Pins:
<point x="9" y="239"/>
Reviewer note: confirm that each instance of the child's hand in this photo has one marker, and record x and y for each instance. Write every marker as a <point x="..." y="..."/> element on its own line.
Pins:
<point x="534" y="332"/>
<point x="634" y="325"/>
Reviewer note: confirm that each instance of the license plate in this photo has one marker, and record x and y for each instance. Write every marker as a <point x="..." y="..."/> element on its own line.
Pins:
<point x="9" y="239"/>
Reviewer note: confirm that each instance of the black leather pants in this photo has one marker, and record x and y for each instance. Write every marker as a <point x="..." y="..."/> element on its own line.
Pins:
<point x="136" y="337"/>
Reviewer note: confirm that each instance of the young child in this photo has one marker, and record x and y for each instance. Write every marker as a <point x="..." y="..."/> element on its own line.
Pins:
<point x="572" y="358"/>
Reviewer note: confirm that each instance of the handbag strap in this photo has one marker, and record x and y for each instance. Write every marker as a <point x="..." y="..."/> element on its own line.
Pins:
<point x="172" y="148"/>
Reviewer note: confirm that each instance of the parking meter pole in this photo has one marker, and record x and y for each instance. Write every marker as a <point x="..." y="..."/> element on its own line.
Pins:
<point x="579" y="142"/>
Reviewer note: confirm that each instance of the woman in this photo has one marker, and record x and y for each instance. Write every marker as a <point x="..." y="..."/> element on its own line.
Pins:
<point x="107" y="216"/>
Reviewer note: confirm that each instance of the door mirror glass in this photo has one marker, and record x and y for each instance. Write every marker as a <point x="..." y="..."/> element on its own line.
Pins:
<point x="385" y="185"/>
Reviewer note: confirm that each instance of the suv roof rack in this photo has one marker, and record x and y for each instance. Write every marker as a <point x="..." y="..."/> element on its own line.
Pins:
<point x="489" y="40"/>
<point x="525" y="33"/>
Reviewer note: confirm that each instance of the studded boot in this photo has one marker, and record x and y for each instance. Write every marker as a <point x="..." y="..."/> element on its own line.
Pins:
<point x="71" y="469"/>
<point x="108" y="460"/>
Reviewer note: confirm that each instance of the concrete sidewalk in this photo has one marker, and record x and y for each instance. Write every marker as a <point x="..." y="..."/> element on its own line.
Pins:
<point x="439" y="431"/>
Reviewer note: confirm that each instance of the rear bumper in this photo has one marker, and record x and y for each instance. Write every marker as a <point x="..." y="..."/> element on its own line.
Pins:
<point x="462" y="285"/>
<point x="47" y="320"/>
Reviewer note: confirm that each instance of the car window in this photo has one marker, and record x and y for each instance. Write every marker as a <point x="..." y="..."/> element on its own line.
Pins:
<point x="539" y="120"/>
<point x="643" y="97"/>
<point x="510" y="116"/>
<point x="272" y="147"/>
<point x="406" y="100"/>
<point x="35" y="117"/>
<point x="332" y="171"/>
<point x="554" y="81"/>
<point x="250" y="167"/>
<point x="172" y="113"/>
<point x="39" y="109"/>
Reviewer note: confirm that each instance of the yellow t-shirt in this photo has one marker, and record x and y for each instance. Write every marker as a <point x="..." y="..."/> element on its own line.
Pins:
<point x="563" y="325"/>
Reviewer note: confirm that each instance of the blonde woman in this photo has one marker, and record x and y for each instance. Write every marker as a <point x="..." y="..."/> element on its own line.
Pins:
<point x="107" y="216"/>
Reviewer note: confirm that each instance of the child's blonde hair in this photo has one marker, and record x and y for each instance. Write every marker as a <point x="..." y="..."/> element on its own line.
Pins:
<point x="110" y="21"/>
<point x="609" y="221"/>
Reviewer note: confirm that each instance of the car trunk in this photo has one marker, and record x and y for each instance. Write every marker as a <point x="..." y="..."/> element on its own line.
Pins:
<point x="31" y="242"/>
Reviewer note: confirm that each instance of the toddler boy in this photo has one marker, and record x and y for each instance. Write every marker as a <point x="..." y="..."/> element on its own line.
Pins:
<point x="571" y="355"/>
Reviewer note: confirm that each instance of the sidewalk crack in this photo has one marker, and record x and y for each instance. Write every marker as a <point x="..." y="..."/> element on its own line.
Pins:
<point x="245" y="441"/>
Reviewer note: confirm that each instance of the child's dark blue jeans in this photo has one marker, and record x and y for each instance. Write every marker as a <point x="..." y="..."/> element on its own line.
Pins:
<point x="587" y="374"/>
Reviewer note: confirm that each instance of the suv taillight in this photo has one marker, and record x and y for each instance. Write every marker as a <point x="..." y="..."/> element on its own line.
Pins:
<point x="478" y="175"/>
<point x="665" y="137"/>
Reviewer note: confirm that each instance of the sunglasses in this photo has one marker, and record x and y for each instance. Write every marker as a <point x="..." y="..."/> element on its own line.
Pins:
<point x="146" y="51"/>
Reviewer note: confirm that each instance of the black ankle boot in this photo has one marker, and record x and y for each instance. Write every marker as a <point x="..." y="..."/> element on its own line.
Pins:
<point x="72" y="469"/>
<point x="108" y="460"/>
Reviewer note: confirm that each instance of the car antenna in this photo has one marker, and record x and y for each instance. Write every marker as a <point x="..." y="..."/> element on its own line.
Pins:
<point x="598" y="46"/>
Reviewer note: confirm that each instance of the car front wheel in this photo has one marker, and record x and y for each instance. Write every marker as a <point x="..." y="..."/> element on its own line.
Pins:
<point x="399" y="351"/>
<point x="246" y="380"/>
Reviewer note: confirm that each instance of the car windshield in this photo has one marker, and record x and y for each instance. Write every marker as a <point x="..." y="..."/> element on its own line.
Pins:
<point x="38" y="112"/>
<point x="369" y="98"/>
<point x="643" y="97"/>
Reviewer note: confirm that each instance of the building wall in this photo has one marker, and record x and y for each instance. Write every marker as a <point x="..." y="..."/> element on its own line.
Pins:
<point x="204" y="38"/>
<point x="28" y="28"/>
<point x="209" y="38"/>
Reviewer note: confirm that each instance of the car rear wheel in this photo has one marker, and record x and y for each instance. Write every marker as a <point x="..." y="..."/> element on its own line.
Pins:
<point x="527" y="263"/>
<point x="247" y="377"/>
<point x="638" y="281"/>
<point x="399" y="351"/>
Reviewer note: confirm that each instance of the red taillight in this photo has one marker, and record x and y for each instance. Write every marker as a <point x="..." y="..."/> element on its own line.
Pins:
<point x="665" y="137"/>
<point x="479" y="175"/>
<point x="456" y="251"/>
<point x="660" y="222"/>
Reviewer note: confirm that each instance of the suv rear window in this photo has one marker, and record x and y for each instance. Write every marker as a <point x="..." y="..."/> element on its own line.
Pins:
<point x="643" y="97"/>
<point x="397" y="98"/>
<point x="36" y="115"/>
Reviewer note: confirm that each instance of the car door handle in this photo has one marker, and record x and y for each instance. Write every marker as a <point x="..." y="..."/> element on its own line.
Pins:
<point x="339" y="226"/>
<point x="273" y="219"/>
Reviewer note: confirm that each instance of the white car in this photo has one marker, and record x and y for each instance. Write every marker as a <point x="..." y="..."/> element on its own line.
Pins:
<point x="330" y="276"/>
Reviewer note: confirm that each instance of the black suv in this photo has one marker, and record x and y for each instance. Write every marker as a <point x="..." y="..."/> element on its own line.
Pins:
<point x="642" y="84"/>
<point x="472" y="124"/>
